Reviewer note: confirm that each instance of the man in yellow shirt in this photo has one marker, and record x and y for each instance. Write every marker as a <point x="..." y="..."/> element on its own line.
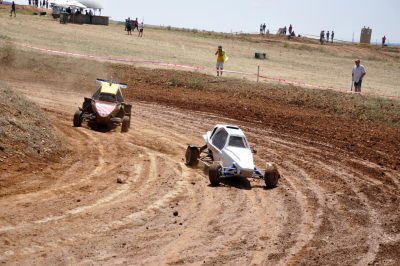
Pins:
<point x="221" y="59"/>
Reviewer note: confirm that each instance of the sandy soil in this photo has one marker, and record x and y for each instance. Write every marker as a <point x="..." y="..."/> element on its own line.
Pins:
<point x="328" y="207"/>
<point x="337" y="203"/>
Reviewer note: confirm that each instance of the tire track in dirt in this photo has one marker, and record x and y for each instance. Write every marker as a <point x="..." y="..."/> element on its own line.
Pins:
<point x="101" y="201"/>
<point x="348" y="172"/>
<point x="374" y="231"/>
<point x="63" y="183"/>
<point x="323" y="205"/>
<point x="255" y="235"/>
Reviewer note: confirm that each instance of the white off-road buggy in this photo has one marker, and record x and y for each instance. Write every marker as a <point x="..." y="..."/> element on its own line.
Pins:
<point x="227" y="154"/>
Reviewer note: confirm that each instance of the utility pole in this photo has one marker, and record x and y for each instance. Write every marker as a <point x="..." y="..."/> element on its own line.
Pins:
<point x="352" y="40"/>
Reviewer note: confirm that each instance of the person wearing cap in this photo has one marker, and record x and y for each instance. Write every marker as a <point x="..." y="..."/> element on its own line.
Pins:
<point x="221" y="59"/>
<point x="358" y="74"/>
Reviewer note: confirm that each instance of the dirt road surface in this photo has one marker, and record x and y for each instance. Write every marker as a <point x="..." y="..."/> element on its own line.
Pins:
<point x="328" y="208"/>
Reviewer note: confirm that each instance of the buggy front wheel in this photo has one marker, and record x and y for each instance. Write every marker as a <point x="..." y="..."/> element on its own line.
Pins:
<point x="192" y="156"/>
<point x="271" y="175"/>
<point x="214" y="173"/>
<point x="126" y="123"/>
<point x="78" y="118"/>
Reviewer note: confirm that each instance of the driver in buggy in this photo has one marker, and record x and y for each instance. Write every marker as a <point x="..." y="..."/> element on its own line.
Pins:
<point x="106" y="97"/>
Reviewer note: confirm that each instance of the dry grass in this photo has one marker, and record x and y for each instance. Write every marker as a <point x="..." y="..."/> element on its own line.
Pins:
<point x="372" y="109"/>
<point x="307" y="62"/>
<point x="78" y="75"/>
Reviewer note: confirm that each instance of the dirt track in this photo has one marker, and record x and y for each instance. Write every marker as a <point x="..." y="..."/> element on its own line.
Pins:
<point x="328" y="209"/>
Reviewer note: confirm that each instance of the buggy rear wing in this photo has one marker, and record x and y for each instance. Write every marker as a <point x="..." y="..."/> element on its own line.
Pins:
<point x="121" y="85"/>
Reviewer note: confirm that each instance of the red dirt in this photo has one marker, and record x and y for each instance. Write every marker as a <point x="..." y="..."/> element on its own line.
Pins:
<point x="337" y="202"/>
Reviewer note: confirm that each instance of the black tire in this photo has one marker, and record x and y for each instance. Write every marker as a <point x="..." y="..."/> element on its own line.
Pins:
<point x="78" y="118"/>
<point x="192" y="156"/>
<point x="126" y="121"/>
<point x="214" y="173"/>
<point x="271" y="175"/>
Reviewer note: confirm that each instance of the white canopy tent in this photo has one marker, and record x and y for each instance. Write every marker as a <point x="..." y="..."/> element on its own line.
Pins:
<point x="93" y="4"/>
<point x="68" y="3"/>
<point x="90" y="4"/>
<point x="76" y="10"/>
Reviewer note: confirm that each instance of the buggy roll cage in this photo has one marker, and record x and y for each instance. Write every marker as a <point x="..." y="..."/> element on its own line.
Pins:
<point x="121" y="85"/>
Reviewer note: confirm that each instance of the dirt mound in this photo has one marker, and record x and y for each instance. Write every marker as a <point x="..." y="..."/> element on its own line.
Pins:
<point x="24" y="128"/>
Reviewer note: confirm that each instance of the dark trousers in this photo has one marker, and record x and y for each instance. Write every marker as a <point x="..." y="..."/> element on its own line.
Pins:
<point x="357" y="86"/>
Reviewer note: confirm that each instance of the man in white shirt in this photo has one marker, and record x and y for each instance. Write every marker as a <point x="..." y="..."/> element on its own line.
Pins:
<point x="141" y="27"/>
<point x="358" y="75"/>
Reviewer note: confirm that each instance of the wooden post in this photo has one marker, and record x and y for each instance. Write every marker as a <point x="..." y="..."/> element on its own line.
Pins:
<point x="258" y="73"/>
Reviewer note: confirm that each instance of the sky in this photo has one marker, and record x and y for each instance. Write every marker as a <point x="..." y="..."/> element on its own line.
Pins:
<point x="306" y="16"/>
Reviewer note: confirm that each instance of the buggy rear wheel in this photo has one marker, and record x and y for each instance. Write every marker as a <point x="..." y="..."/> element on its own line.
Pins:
<point x="214" y="173"/>
<point x="271" y="175"/>
<point x="192" y="156"/>
<point x="78" y="118"/>
<point x="126" y="123"/>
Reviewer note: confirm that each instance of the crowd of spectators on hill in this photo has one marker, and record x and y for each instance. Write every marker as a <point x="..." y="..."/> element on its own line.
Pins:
<point x="328" y="35"/>
<point x="131" y="25"/>
<point x="39" y="3"/>
<point x="287" y="31"/>
<point x="262" y="28"/>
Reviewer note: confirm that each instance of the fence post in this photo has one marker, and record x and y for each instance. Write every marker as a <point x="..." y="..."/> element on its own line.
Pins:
<point x="258" y="73"/>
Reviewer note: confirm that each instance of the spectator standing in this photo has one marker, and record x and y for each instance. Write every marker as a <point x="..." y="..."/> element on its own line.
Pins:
<point x="290" y="29"/>
<point x="261" y="28"/>
<point x="128" y="26"/>
<point x="383" y="40"/>
<point x="136" y="24"/>
<point x="141" y="28"/>
<point x="321" y="37"/>
<point x="47" y="4"/>
<point x="327" y="36"/>
<point x="13" y="9"/>
<point x="284" y="30"/>
<point x="221" y="59"/>
<point x="30" y="2"/>
<point x="264" y="26"/>
<point x="357" y="75"/>
<point x="333" y="34"/>
<point x="91" y="16"/>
